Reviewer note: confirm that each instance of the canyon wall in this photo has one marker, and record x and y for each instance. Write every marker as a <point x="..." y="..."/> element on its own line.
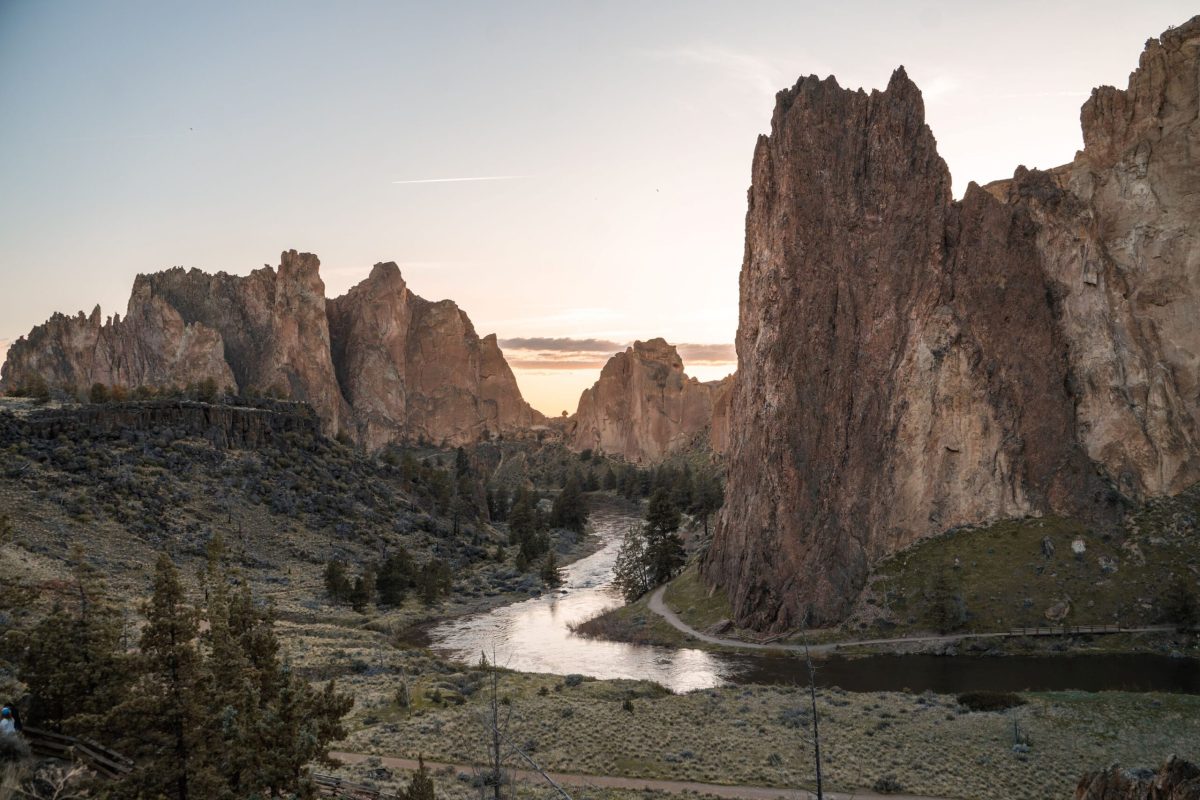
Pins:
<point x="644" y="407"/>
<point x="908" y="363"/>
<point x="379" y="364"/>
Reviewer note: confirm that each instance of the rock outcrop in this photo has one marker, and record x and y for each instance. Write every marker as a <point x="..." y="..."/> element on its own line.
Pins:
<point x="241" y="427"/>
<point x="644" y="407"/>
<point x="417" y="368"/>
<point x="908" y="363"/>
<point x="1176" y="779"/>
<point x="379" y="364"/>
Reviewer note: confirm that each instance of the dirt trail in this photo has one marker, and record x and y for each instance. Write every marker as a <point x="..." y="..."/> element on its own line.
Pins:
<point x="638" y="784"/>
<point x="657" y="605"/>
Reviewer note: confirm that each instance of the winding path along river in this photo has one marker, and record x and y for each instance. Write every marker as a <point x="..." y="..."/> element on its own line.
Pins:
<point x="535" y="635"/>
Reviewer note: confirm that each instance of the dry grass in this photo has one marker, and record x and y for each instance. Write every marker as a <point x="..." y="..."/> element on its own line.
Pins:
<point x="747" y="735"/>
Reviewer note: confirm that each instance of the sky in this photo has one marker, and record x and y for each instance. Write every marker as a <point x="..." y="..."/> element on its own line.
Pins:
<point x="607" y="145"/>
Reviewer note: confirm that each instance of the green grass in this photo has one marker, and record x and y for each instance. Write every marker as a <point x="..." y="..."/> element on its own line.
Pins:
<point x="1006" y="581"/>
<point x="696" y="604"/>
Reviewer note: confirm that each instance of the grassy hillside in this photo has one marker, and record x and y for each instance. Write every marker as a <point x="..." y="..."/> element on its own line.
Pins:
<point x="1044" y="571"/>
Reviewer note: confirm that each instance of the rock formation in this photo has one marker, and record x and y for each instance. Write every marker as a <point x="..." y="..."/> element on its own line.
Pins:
<point x="244" y="427"/>
<point x="908" y="363"/>
<point x="644" y="407"/>
<point x="1176" y="779"/>
<point x="379" y="364"/>
<point x="408" y="365"/>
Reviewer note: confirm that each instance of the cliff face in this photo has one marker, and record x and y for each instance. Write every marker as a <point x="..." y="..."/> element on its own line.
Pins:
<point x="410" y="366"/>
<point x="907" y="363"/>
<point x="644" y="406"/>
<point x="379" y="363"/>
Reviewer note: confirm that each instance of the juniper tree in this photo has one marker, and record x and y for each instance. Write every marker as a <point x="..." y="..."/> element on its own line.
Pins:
<point x="664" y="548"/>
<point x="72" y="659"/>
<point x="570" y="507"/>
<point x="551" y="573"/>
<point x="632" y="575"/>
<point x="165" y="717"/>
<point x="337" y="582"/>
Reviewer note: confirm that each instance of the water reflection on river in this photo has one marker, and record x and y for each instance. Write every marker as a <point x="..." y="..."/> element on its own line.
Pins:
<point x="535" y="636"/>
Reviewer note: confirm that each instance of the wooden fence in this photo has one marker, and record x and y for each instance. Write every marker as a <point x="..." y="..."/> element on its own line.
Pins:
<point x="115" y="766"/>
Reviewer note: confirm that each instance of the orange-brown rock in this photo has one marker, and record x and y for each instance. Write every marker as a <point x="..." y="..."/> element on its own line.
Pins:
<point x="379" y="363"/>
<point x="908" y="363"/>
<point x="417" y="370"/>
<point x="644" y="406"/>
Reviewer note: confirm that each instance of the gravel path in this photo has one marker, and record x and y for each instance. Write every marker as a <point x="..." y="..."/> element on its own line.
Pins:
<point x="638" y="784"/>
<point x="657" y="605"/>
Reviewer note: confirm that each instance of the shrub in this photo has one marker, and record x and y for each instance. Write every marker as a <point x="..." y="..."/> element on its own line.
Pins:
<point x="990" y="701"/>
<point x="888" y="785"/>
<point x="793" y="718"/>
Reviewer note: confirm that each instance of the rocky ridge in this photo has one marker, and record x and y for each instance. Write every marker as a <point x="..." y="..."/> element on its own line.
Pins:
<point x="909" y="363"/>
<point x="644" y="407"/>
<point x="378" y="364"/>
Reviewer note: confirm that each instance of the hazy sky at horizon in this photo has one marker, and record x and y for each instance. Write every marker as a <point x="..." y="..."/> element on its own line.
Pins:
<point x="617" y="138"/>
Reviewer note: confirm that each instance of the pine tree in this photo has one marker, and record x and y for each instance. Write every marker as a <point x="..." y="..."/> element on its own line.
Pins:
<point x="360" y="595"/>
<point x="421" y="785"/>
<point x="708" y="497"/>
<point x="72" y="661"/>
<point x="521" y="518"/>
<point x="395" y="578"/>
<point x="434" y="580"/>
<point x="551" y="573"/>
<point x="165" y="717"/>
<point x="631" y="570"/>
<point x="570" y="507"/>
<point x="664" y="548"/>
<point x="462" y="464"/>
<point x="682" y="489"/>
<point x="337" y="582"/>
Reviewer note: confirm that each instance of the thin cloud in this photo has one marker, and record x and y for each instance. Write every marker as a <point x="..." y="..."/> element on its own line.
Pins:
<point x="707" y="353"/>
<point x="941" y="86"/>
<point x="464" y="180"/>
<point x="561" y="344"/>
<point x="566" y="353"/>
<point x="766" y="76"/>
<point x="540" y="365"/>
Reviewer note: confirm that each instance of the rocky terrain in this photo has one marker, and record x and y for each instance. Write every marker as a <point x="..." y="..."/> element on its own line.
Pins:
<point x="644" y="407"/>
<point x="379" y="364"/>
<point x="909" y="363"/>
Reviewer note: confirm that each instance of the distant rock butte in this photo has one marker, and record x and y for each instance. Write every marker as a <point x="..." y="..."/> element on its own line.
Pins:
<point x="909" y="363"/>
<point x="379" y="364"/>
<point x="644" y="407"/>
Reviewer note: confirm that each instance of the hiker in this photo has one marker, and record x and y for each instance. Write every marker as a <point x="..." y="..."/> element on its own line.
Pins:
<point x="8" y="723"/>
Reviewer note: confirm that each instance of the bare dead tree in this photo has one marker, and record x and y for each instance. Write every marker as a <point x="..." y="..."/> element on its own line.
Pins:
<point x="497" y="729"/>
<point x="501" y="745"/>
<point x="812" y="694"/>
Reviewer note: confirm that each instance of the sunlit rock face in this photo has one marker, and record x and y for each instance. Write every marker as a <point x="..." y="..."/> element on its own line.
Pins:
<point x="644" y="407"/>
<point x="908" y="363"/>
<point x="379" y="364"/>
<point x="418" y="368"/>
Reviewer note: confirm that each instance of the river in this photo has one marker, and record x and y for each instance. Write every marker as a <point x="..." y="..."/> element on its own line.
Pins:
<point x="534" y="635"/>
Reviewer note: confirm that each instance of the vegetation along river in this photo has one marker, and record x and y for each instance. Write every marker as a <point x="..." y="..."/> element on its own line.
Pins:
<point x="535" y="636"/>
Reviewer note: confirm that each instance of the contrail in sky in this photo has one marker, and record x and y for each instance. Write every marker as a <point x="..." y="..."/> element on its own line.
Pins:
<point x="459" y="180"/>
